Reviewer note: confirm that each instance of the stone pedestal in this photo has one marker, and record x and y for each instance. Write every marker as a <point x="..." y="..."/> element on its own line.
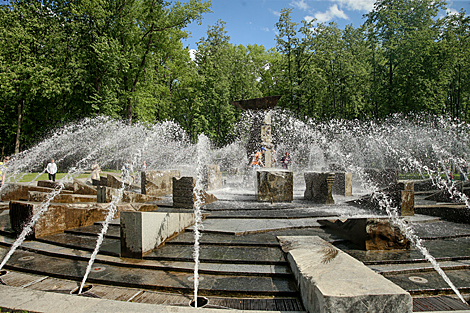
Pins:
<point x="183" y="193"/>
<point x="158" y="183"/>
<point x="369" y="233"/>
<point x="319" y="187"/>
<point x="332" y="281"/>
<point x="142" y="232"/>
<point x="212" y="177"/>
<point x="342" y="184"/>
<point x="274" y="185"/>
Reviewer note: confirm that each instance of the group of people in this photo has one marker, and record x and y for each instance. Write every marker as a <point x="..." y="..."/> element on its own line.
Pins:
<point x="257" y="160"/>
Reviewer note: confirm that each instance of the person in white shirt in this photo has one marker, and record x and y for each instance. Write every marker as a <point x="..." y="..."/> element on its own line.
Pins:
<point x="51" y="169"/>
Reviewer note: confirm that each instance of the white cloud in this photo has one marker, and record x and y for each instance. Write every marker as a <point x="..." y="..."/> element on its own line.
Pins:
<point x="277" y="13"/>
<point x="299" y="4"/>
<point x="266" y="29"/>
<point x="358" y="5"/>
<point x="309" y="18"/>
<point x="332" y="12"/>
<point x="451" y="11"/>
<point x="192" y="54"/>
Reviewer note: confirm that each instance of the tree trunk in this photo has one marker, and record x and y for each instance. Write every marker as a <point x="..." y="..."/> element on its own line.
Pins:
<point x="20" y="105"/>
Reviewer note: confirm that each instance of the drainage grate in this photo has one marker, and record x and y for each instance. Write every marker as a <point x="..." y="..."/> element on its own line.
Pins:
<point x="442" y="303"/>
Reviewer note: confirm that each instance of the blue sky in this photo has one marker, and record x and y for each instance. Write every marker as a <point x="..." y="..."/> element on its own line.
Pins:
<point x="253" y="21"/>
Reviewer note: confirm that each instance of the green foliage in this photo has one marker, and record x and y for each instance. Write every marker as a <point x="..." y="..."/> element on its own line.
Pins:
<point x="61" y="61"/>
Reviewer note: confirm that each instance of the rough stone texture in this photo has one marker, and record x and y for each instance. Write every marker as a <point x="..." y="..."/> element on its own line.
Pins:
<point x="319" y="187"/>
<point x="212" y="177"/>
<point x="81" y="188"/>
<point x="382" y="178"/>
<point x="36" y="196"/>
<point x="332" y="281"/>
<point x="401" y="196"/>
<point x="60" y="217"/>
<point x="274" y="185"/>
<point x="342" y="184"/>
<point x="142" y="232"/>
<point x="158" y="183"/>
<point x="369" y="233"/>
<point x="101" y="194"/>
<point x="103" y="181"/>
<point x="21" y="191"/>
<point x="54" y="185"/>
<point x="183" y="193"/>
<point x="115" y="182"/>
<point x="128" y="196"/>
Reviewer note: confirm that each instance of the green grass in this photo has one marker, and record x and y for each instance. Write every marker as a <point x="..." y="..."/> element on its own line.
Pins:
<point x="30" y="176"/>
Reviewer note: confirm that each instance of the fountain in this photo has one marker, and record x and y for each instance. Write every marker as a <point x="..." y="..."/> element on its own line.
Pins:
<point x="246" y="217"/>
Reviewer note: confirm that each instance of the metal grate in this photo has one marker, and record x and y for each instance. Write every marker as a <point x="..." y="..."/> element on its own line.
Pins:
<point x="442" y="303"/>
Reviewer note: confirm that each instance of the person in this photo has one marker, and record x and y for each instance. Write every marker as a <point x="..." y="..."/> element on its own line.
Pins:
<point x="285" y="161"/>
<point x="3" y="168"/>
<point x="257" y="159"/>
<point x="126" y="172"/>
<point x="95" y="171"/>
<point x="51" y="169"/>
<point x="144" y="167"/>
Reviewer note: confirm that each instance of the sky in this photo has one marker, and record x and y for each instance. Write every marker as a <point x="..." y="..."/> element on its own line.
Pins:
<point x="254" y="21"/>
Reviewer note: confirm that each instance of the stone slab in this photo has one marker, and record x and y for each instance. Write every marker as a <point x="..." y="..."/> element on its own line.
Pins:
<point x="142" y="232"/>
<point x="36" y="196"/>
<point x="332" y="281"/>
<point x="106" y="195"/>
<point x="60" y="217"/>
<point x="54" y="184"/>
<point x="21" y="191"/>
<point x="158" y="183"/>
<point x="369" y="233"/>
<point x="274" y="185"/>
<point x="81" y="188"/>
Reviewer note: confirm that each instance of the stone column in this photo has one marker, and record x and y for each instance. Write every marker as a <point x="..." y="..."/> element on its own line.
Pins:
<point x="275" y="185"/>
<point x="319" y="187"/>
<point x="343" y="184"/>
<point x="266" y="140"/>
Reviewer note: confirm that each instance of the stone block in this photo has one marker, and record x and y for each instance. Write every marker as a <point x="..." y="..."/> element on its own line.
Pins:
<point x="101" y="194"/>
<point x="342" y="184"/>
<point x="103" y="180"/>
<point x="61" y="216"/>
<point x="183" y="193"/>
<point x="401" y="196"/>
<point x="142" y="232"/>
<point x="106" y="194"/>
<point x="274" y="185"/>
<point x="81" y="188"/>
<point x="36" y="196"/>
<point x="319" y="187"/>
<point x="21" y="191"/>
<point x="158" y="183"/>
<point x="332" y="281"/>
<point x="54" y="185"/>
<point x="212" y="177"/>
<point x="381" y="178"/>
<point x="369" y="233"/>
<point x="117" y="183"/>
